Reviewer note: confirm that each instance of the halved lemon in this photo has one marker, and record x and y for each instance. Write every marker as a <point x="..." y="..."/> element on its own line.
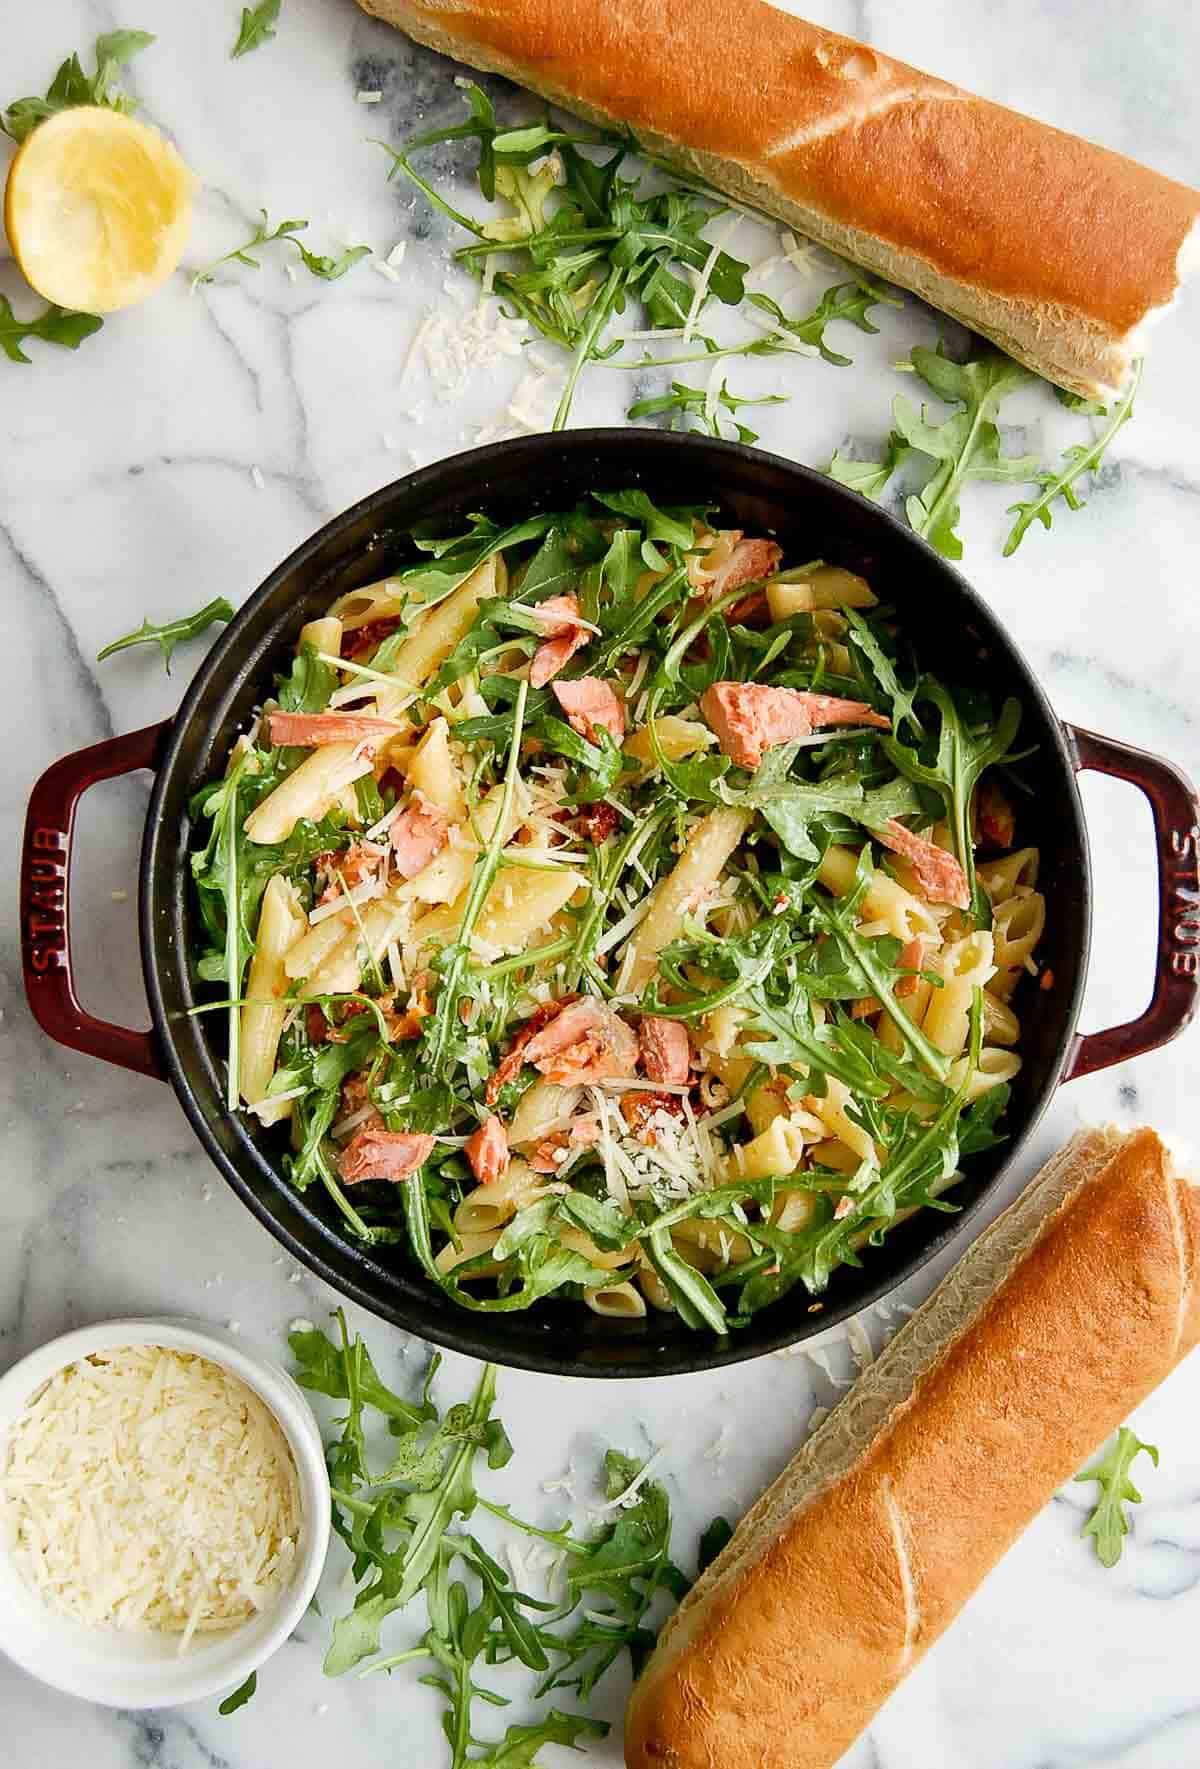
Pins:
<point x="98" y="208"/>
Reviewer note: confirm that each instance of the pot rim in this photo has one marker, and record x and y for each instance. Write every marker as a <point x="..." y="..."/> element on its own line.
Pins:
<point x="470" y="1335"/>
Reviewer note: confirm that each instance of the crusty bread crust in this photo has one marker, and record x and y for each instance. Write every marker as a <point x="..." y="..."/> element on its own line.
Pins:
<point x="1055" y="248"/>
<point x="1058" y="1321"/>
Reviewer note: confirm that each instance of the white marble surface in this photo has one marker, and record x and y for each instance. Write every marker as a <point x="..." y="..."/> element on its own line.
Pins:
<point x="126" y="488"/>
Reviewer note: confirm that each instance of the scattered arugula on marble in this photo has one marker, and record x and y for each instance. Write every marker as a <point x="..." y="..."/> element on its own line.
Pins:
<point x="966" y="446"/>
<point x="172" y="632"/>
<point x="851" y="302"/>
<point x="1080" y="458"/>
<point x="71" y="86"/>
<point x="694" y="402"/>
<point x="583" y="240"/>
<point x="405" y="1525"/>
<point x="1109" y="1522"/>
<point x="241" y="1695"/>
<point x="258" y="27"/>
<point x="54" y="325"/>
<point x="328" y="269"/>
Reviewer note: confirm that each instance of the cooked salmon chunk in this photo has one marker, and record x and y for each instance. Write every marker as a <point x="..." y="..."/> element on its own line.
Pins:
<point x="418" y="833"/>
<point x="590" y="703"/>
<point x="587" y="1042"/>
<point x="384" y="1154"/>
<point x="663" y="1045"/>
<point x="750" y="719"/>
<point x="487" y="1150"/>
<point x="941" y="878"/>
<point x="310" y="730"/>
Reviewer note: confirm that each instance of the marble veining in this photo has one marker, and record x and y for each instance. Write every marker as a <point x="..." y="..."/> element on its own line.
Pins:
<point x="181" y="454"/>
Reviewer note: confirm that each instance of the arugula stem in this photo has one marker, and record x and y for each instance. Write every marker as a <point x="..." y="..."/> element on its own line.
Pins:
<point x="597" y="315"/>
<point x="397" y="1658"/>
<point x="401" y="164"/>
<point x="554" y="1536"/>
<point x="954" y="477"/>
<point x="1085" y="462"/>
<point x="589" y="928"/>
<point x="233" y="937"/>
<point x="483" y="874"/>
<point x="523" y="960"/>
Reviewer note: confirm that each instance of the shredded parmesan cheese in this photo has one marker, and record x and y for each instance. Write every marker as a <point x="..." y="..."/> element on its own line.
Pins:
<point x="150" y="1489"/>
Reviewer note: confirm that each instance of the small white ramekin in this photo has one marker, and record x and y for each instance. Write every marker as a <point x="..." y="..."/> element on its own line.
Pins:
<point x="126" y="1669"/>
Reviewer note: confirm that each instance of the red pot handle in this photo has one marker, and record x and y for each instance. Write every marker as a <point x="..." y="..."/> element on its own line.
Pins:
<point x="1176" y="810"/>
<point x="45" y="902"/>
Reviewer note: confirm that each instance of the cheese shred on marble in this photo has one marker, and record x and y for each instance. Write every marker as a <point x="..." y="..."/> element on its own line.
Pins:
<point x="150" y="1489"/>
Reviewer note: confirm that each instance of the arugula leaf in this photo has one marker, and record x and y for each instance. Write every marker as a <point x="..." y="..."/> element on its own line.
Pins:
<point x="1081" y="458"/>
<point x="694" y="1297"/>
<point x="964" y="751"/>
<point x="673" y="528"/>
<point x="693" y="402"/>
<point x="837" y="917"/>
<point x="871" y="478"/>
<point x="54" y="325"/>
<point x="308" y="684"/>
<point x="399" y="1530"/>
<point x="258" y="27"/>
<point x="901" y="700"/>
<point x="714" y="1541"/>
<point x="519" y="1747"/>
<point x="71" y="86"/>
<point x="172" y="632"/>
<point x="328" y="269"/>
<point x="240" y="1696"/>
<point x="425" y="585"/>
<point x="851" y="301"/>
<point x="1109" y="1522"/>
<point x="346" y="1372"/>
<point x="356" y="1635"/>
<point x="922" y="1156"/>
<point x="627" y="1563"/>
<point x="966" y="445"/>
<point x="791" y="807"/>
<point x="1079" y="402"/>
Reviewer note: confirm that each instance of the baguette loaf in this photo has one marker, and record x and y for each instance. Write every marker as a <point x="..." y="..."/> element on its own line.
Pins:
<point x="1060" y="251"/>
<point x="1058" y="1321"/>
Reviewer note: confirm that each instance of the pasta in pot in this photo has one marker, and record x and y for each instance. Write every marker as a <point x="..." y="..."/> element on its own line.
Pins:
<point x="597" y="907"/>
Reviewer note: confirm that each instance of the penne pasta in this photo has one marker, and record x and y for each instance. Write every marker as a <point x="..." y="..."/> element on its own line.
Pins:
<point x="280" y="921"/>
<point x="1017" y="925"/>
<point x="433" y="636"/>
<point x="449" y="873"/>
<point x="361" y="608"/>
<point x="324" y="634"/>
<point x="433" y="771"/>
<point x="309" y="791"/>
<point x="677" y="738"/>
<point x="490" y="1206"/>
<point x="996" y="1067"/>
<point x="899" y="912"/>
<point x="518" y="904"/>
<point x="825" y="586"/>
<point x="1002" y="878"/>
<point x="964" y="966"/>
<point x="708" y="849"/>
<point x="470" y="1247"/>
<point x="619" y="1302"/>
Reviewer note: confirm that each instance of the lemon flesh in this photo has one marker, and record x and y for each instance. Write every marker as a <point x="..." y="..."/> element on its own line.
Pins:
<point x="98" y="208"/>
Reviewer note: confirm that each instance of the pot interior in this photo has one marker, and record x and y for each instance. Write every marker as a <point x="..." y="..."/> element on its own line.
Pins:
<point x="811" y="516"/>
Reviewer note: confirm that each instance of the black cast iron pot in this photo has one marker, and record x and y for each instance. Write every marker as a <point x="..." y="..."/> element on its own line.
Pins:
<point x="957" y="637"/>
